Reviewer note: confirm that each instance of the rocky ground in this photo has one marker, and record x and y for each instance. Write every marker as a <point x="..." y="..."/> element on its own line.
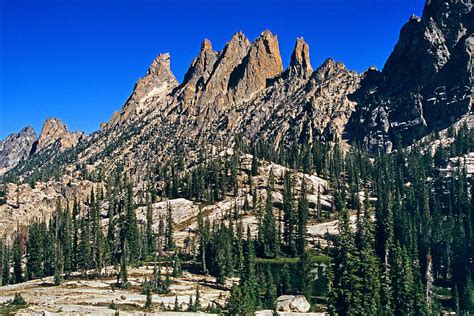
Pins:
<point x="95" y="296"/>
<point x="25" y="203"/>
<point x="99" y="296"/>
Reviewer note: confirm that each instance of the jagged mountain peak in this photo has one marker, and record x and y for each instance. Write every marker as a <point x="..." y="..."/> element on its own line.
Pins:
<point x="237" y="39"/>
<point x="54" y="131"/>
<point x="328" y="68"/>
<point x="206" y="45"/>
<point x="216" y="80"/>
<point x="158" y="82"/>
<point x="196" y="76"/>
<point x="262" y="62"/>
<point x="424" y="86"/>
<point x="160" y="65"/>
<point x="16" y="147"/>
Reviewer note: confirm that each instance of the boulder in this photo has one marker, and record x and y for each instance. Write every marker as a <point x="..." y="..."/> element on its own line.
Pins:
<point x="292" y="303"/>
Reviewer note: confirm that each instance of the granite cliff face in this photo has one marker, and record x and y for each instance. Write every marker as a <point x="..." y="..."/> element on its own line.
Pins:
<point x="426" y="83"/>
<point x="16" y="147"/>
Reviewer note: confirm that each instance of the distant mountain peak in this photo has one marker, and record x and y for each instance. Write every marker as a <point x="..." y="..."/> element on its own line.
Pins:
<point x="16" y="147"/>
<point x="54" y="131"/>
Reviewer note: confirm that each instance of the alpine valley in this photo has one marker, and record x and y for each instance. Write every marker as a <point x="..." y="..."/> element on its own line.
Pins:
<point x="250" y="188"/>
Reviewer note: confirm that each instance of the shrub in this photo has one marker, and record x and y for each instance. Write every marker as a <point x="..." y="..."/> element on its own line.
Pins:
<point x="18" y="300"/>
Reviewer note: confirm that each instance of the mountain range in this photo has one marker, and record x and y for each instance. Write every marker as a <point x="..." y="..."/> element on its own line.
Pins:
<point x="242" y="94"/>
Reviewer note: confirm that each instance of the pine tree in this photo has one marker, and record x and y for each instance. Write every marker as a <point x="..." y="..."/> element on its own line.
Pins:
<point x="270" y="292"/>
<point x="235" y="304"/>
<point x="122" y="278"/>
<point x="111" y="252"/>
<point x="169" y="242"/>
<point x="304" y="271"/>
<point x="197" y="300"/>
<point x="234" y="173"/>
<point x="284" y="281"/>
<point x="67" y="242"/>
<point x="84" y="248"/>
<point x="368" y="268"/>
<point x="303" y="213"/>
<point x="191" y="307"/>
<point x="48" y="249"/>
<point x="223" y="254"/>
<point x="248" y="279"/>
<point x="203" y="235"/>
<point x="177" y="271"/>
<point x="150" y="238"/>
<point x="468" y="297"/>
<point x="6" y="277"/>
<point x="289" y="238"/>
<point x="131" y="226"/>
<point x="17" y="256"/>
<point x="403" y="283"/>
<point x="149" y="297"/>
<point x="268" y="229"/>
<point x="34" y="252"/>
<point x="346" y="284"/>
<point x="176" y="308"/>
<point x="75" y="237"/>
<point x="254" y="167"/>
<point x="58" y="265"/>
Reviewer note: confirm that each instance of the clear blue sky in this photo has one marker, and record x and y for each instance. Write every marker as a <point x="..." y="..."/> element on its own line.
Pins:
<point x="79" y="59"/>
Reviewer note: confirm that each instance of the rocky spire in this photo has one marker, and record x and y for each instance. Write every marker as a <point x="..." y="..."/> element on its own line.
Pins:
<point x="300" y="64"/>
<point x="262" y="62"/>
<point x="230" y="57"/>
<point x="197" y="74"/>
<point x="160" y="65"/>
<point x="202" y="65"/>
<point x="55" y="132"/>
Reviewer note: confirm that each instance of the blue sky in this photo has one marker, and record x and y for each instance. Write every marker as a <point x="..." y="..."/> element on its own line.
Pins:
<point x="79" y="59"/>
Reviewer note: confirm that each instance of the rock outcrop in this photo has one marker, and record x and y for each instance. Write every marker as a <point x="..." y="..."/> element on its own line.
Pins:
<point x="292" y="303"/>
<point x="16" y="147"/>
<point x="54" y="132"/>
<point x="426" y="83"/>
